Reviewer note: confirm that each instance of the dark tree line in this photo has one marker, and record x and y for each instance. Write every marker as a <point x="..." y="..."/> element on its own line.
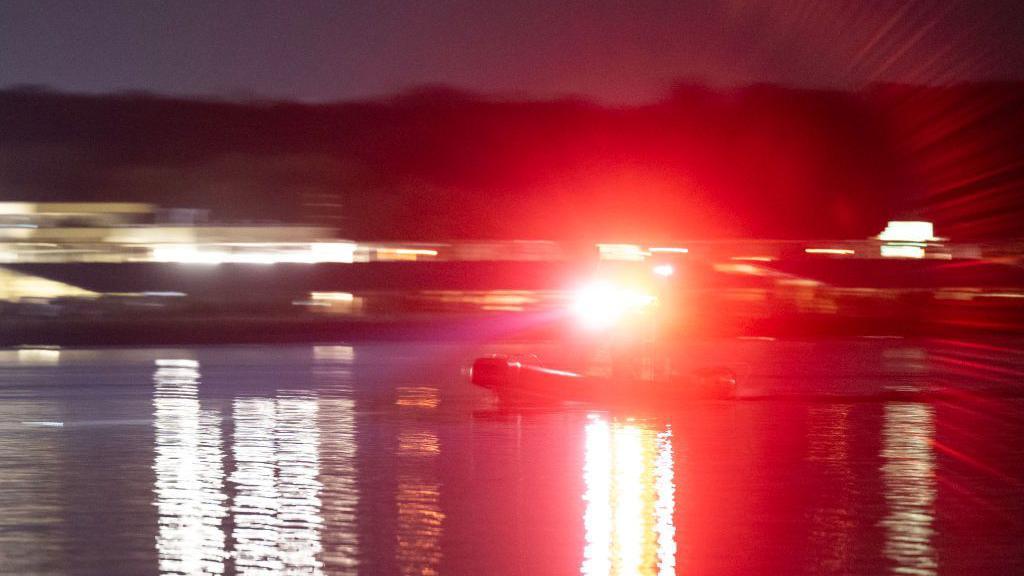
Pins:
<point x="763" y="161"/>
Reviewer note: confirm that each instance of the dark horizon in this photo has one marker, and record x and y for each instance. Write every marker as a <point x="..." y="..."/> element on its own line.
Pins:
<point x="439" y="163"/>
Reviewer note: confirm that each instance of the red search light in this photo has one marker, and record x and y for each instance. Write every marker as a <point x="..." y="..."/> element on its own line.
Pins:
<point x="601" y="305"/>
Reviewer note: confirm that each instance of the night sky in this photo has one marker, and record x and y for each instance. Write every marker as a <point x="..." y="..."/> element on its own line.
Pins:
<point x="616" y="52"/>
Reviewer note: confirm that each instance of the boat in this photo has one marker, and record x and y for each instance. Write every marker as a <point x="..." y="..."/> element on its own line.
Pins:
<point x="518" y="379"/>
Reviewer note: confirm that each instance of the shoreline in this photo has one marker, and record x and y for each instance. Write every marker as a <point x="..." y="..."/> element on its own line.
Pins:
<point x="145" y="331"/>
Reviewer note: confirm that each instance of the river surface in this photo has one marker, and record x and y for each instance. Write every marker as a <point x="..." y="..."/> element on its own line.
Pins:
<point x="383" y="459"/>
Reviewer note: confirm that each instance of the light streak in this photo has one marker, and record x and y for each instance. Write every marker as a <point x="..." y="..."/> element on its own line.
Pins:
<point x="835" y="251"/>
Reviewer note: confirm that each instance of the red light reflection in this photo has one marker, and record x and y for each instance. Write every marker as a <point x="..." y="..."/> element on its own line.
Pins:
<point x="630" y="496"/>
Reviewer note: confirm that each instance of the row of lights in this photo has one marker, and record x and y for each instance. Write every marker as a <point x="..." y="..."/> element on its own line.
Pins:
<point x="901" y="239"/>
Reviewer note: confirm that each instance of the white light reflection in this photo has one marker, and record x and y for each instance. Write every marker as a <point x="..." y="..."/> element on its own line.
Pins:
<point x="333" y="374"/>
<point x="189" y="475"/>
<point x="908" y="474"/>
<point x="630" y="496"/>
<point x="298" y="471"/>
<point x="665" y="506"/>
<point x="277" y="522"/>
<point x="628" y="506"/>
<point x="256" y="531"/>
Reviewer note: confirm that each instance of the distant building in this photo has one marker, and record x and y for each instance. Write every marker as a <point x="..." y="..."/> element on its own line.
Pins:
<point x="74" y="214"/>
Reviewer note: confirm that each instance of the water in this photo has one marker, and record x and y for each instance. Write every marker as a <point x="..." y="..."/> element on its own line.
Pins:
<point x="381" y="459"/>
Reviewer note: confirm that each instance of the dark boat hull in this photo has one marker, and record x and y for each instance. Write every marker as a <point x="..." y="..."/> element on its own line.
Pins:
<point x="515" y="381"/>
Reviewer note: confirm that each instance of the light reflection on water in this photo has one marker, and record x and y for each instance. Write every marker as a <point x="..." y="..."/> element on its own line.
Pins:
<point x="417" y="397"/>
<point x="332" y="374"/>
<point x="344" y="460"/>
<point x="189" y="467"/>
<point x="630" y="499"/>
<point x="298" y="473"/>
<point x="31" y="505"/>
<point x="418" y="497"/>
<point x="831" y="525"/>
<point x="665" y="506"/>
<point x="256" y="501"/>
<point x="908" y="474"/>
<point x="275" y="511"/>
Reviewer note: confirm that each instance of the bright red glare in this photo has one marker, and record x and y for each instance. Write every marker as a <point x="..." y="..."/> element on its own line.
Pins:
<point x="602" y="305"/>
